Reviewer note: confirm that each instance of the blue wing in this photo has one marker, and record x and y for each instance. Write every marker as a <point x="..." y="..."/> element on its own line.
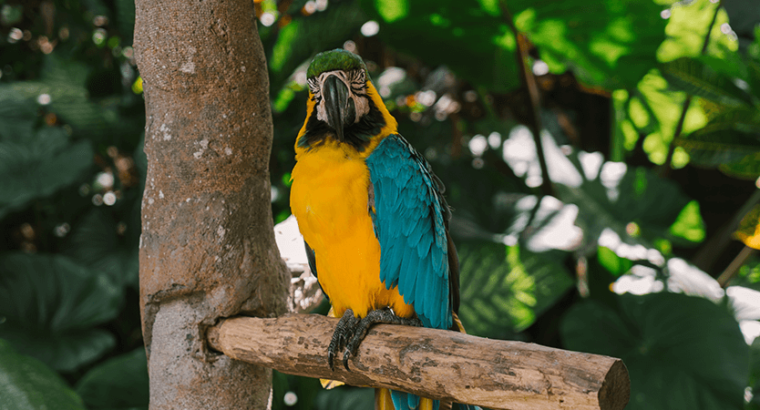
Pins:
<point x="409" y="224"/>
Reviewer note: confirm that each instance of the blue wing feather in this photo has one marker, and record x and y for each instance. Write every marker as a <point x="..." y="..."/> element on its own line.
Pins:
<point x="409" y="225"/>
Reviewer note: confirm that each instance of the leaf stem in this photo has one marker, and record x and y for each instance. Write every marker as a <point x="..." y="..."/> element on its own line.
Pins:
<point x="666" y="167"/>
<point x="535" y="106"/>
<point x="734" y="266"/>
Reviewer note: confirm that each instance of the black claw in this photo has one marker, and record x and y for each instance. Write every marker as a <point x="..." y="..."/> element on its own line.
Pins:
<point x="343" y="332"/>
<point x="351" y="331"/>
<point x="346" y="356"/>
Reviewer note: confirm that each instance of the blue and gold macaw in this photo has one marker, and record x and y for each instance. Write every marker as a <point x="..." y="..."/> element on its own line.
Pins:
<point x="372" y="215"/>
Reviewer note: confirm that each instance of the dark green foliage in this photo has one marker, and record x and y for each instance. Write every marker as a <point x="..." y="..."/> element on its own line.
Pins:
<point x="117" y="383"/>
<point x="504" y="289"/>
<point x="615" y="78"/>
<point x="51" y="306"/>
<point x="29" y="384"/>
<point x="682" y="352"/>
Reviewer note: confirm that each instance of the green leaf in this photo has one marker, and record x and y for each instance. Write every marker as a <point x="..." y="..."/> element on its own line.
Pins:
<point x="754" y="374"/>
<point x="504" y="289"/>
<point x="117" y="383"/>
<point x="699" y="79"/>
<point x="65" y="82"/>
<point x="609" y="44"/>
<point x="95" y="244"/>
<point x="719" y="143"/>
<point x="664" y="106"/>
<point x="689" y="224"/>
<point x="747" y="167"/>
<point x="687" y="25"/>
<point x="50" y="306"/>
<point x="39" y="166"/>
<point x="748" y="275"/>
<point x="27" y="384"/>
<point x="346" y="398"/>
<point x="612" y="262"/>
<point x="125" y="18"/>
<point x="18" y="110"/>
<point x="651" y="203"/>
<point x="467" y="37"/>
<point x="305" y="36"/>
<point x="682" y="352"/>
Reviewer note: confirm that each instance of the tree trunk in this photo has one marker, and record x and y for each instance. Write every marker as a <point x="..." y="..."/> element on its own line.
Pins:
<point x="207" y="248"/>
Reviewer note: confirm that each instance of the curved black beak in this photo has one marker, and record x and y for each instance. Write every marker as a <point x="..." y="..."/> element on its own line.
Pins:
<point x="340" y="111"/>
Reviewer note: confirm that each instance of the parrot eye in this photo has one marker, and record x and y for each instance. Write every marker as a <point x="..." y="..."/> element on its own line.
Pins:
<point x="358" y="81"/>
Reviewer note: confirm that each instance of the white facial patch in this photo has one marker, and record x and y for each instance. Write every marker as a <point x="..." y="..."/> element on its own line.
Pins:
<point x="356" y="82"/>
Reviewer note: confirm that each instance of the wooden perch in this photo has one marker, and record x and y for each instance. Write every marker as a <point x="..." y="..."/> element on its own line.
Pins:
<point x="433" y="363"/>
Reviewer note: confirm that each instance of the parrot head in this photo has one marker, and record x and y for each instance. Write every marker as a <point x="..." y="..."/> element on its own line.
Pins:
<point x="343" y="103"/>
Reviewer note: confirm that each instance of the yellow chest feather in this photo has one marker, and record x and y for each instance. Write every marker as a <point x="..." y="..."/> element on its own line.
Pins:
<point x="330" y="199"/>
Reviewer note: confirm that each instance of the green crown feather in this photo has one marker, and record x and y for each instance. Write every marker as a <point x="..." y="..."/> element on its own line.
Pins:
<point x="337" y="59"/>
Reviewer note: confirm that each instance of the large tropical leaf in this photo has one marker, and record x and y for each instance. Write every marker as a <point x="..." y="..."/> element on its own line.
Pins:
<point x="27" y="384"/>
<point x="471" y="38"/>
<point x="640" y="197"/>
<point x="303" y="37"/>
<point x="754" y="375"/>
<point x="38" y="166"/>
<point x="504" y="289"/>
<point x="687" y="25"/>
<point x="50" y="306"/>
<point x="96" y="244"/>
<point x="697" y="78"/>
<point x="118" y="383"/>
<point x="609" y="44"/>
<point x="682" y="352"/>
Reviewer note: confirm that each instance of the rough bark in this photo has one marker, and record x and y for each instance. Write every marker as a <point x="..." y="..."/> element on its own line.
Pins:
<point x="207" y="249"/>
<point x="433" y="363"/>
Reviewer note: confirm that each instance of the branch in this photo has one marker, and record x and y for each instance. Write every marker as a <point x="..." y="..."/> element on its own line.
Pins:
<point x="432" y="363"/>
<point x="535" y="105"/>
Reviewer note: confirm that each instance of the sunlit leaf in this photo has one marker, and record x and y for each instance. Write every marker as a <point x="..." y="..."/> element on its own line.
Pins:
<point x="38" y="166"/>
<point x="748" y="230"/>
<point x="713" y="146"/>
<point x="504" y="289"/>
<point x="610" y="44"/>
<point x="50" y="306"/>
<point x="689" y="224"/>
<point x="639" y="196"/>
<point x="682" y="352"/>
<point x="686" y="29"/>
<point x="612" y="262"/>
<point x="665" y="107"/>
<point x="748" y="274"/>
<point x="27" y="384"/>
<point x="117" y="383"/>
<point x="699" y="79"/>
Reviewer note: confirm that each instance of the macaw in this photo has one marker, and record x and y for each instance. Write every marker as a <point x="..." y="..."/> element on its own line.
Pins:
<point x="372" y="214"/>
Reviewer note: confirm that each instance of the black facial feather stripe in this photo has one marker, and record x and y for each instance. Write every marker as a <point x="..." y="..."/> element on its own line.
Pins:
<point x="357" y="135"/>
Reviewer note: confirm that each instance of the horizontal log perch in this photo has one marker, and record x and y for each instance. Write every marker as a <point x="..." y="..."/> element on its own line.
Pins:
<point x="433" y="363"/>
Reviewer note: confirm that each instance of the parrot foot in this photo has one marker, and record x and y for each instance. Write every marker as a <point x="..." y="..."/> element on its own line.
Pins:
<point x="384" y="316"/>
<point x="342" y="334"/>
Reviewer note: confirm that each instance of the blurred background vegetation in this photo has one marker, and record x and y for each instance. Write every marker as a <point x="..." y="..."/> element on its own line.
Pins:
<point x="639" y="245"/>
